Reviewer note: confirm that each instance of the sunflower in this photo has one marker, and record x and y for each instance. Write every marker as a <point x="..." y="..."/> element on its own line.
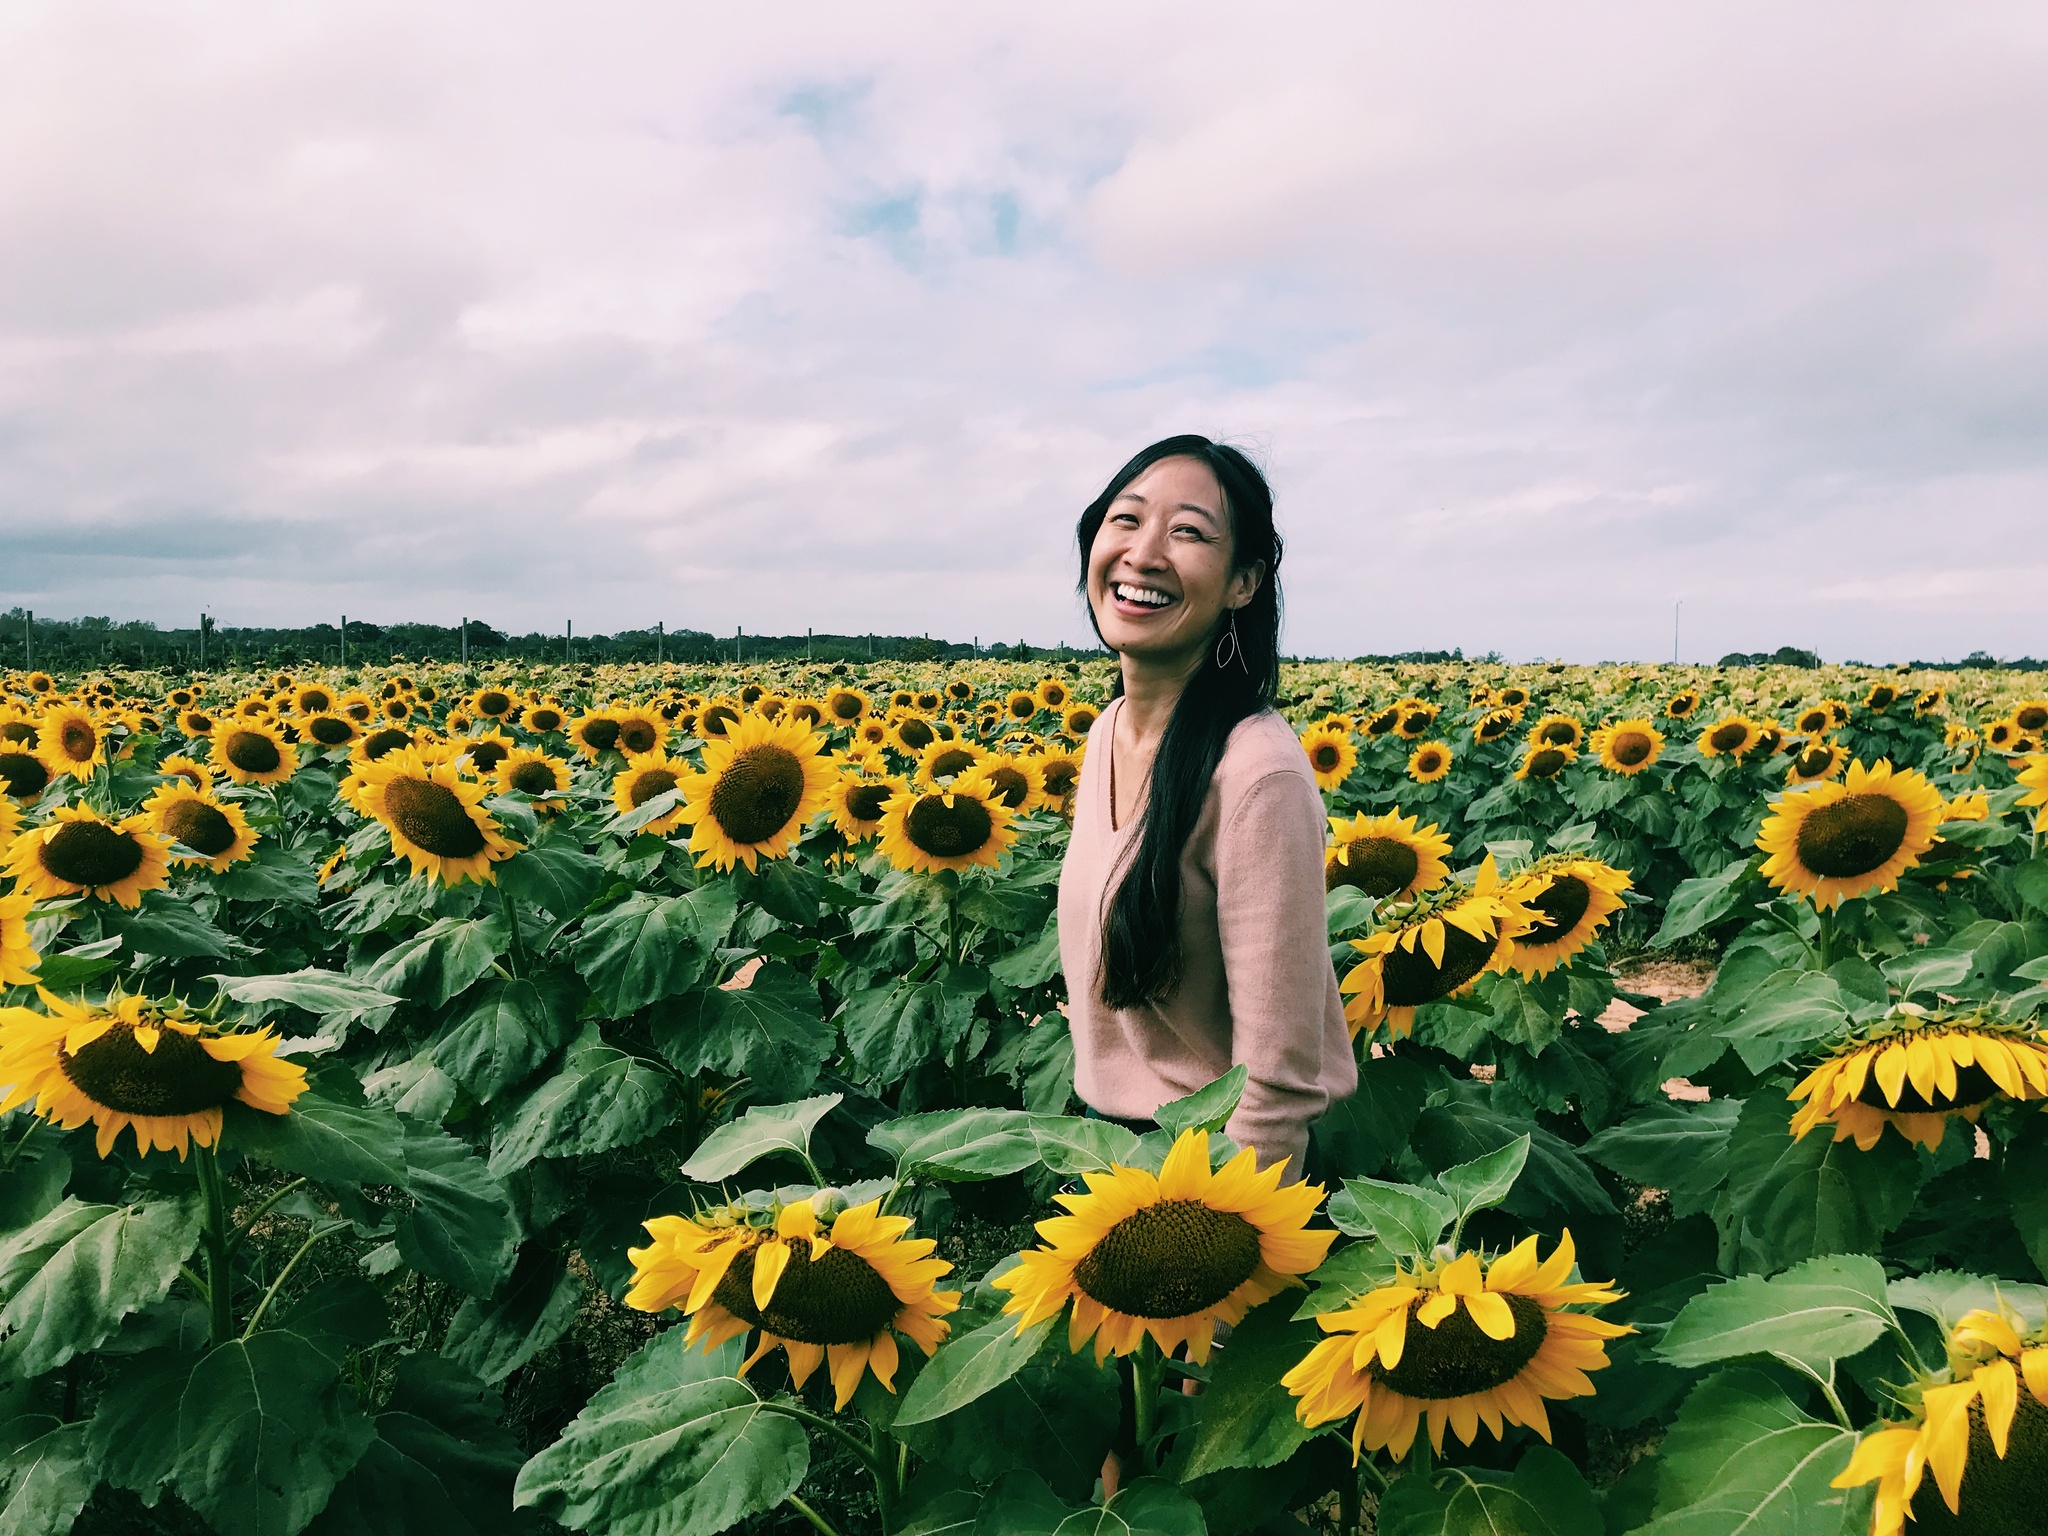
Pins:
<point x="313" y="699"/>
<point x="18" y="955"/>
<point x="959" y="690"/>
<point x="1014" y="780"/>
<point x="494" y="703"/>
<point x="252" y="752"/>
<point x="1730" y="736"/>
<point x="23" y="775"/>
<point x="40" y="682"/>
<point x="641" y="731"/>
<point x="1915" y="1071"/>
<point x="1815" y="720"/>
<point x="543" y="718"/>
<point x="1570" y="897"/>
<point x="1052" y="694"/>
<point x="1980" y="1426"/>
<point x="1544" y="762"/>
<point x="718" y="717"/>
<point x="946" y="826"/>
<point x="1330" y="754"/>
<point x="381" y="743"/>
<point x="217" y="832"/>
<point x="1769" y="742"/>
<point x="1816" y="761"/>
<point x="1021" y="706"/>
<point x="762" y="781"/>
<point x="832" y="1294"/>
<point x="69" y="740"/>
<point x="435" y="817"/>
<point x="1558" y="731"/>
<point x="1882" y="696"/>
<point x="357" y="705"/>
<point x="1434" y="948"/>
<point x="1429" y="762"/>
<point x="1383" y="721"/>
<point x="1079" y="719"/>
<point x="911" y="734"/>
<point x="141" y="1066"/>
<point x="2033" y="777"/>
<point x="809" y="712"/>
<point x="1829" y="842"/>
<point x="856" y="803"/>
<point x="1627" y="747"/>
<point x="1494" y="724"/>
<point x="644" y="777"/>
<point x="1384" y="856"/>
<point x="1168" y="1255"/>
<point x="487" y="751"/>
<point x="78" y="852"/>
<point x="1415" y="718"/>
<point x="846" y="707"/>
<point x="1681" y="704"/>
<point x="1460" y="1341"/>
<point x="593" y="732"/>
<point x="2031" y="715"/>
<point x="944" y="760"/>
<point x="196" y="724"/>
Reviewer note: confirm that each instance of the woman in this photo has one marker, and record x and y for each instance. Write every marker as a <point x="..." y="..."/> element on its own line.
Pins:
<point x="1191" y="902"/>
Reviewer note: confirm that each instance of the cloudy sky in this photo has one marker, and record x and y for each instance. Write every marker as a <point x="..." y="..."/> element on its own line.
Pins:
<point x="1542" y="318"/>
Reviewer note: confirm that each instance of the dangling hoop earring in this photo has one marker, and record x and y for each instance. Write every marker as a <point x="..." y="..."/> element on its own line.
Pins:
<point x="1228" y="649"/>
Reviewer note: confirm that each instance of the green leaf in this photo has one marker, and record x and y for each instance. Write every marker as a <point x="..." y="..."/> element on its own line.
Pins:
<point x="329" y="1135"/>
<point x="462" y="1227"/>
<point x="647" y="948"/>
<point x="1247" y="1418"/>
<point x="601" y="1098"/>
<point x="1485" y="1181"/>
<point x="895" y="1028"/>
<point x="1056" y="1417"/>
<point x="507" y="1034"/>
<point x="274" y="875"/>
<point x="762" y="1130"/>
<point x="1355" y="1270"/>
<point x="439" y="961"/>
<point x="969" y="1365"/>
<point x="674" y="1446"/>
<point x="1802" y="1199"/>
<point x="1033" y="965"/>
<point x="1208" y="1108"/>
<point x="134" y="1434"/>
<point x="1743" y="1460"/>
<point x="1927" y="972"/>
<point x="959" y="1144"/>
<point x="67" y="973"/>
<point x="265" y="1431"/>
<point x="1022" y="1505"/>
<point x="492" y="1339"/>
<point x="2023" y="1175"/>
<point x="1681" y="1149"/>
<point x="1359" y="1135"/>
<point x="1947" y="1296"/>
<point x="46" y="1475"/>
<point x="325" y="994"/>
<point x="1790" y="1011"/>
<point x="1555" y="1179"/>
<point x="1070" y="1145"/>
<point x="1699" y="904"/>
<point x="68" y="1279"/>
<point x="441" y="1465"/>
<point x="1811" y="1316"/>
<point x="771" y="1031"/>
<point x="556" y="876"/>
<point x="1545" y="1497"/>
<point x="165" y="926"/>
<point x="1406" y="1218"/>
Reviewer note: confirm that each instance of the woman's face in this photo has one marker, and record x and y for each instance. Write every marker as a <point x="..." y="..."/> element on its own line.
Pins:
<point x="1159" y="573"/>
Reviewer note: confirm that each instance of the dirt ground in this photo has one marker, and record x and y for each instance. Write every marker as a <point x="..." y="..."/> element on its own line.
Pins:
<point x="1668" y="980"/>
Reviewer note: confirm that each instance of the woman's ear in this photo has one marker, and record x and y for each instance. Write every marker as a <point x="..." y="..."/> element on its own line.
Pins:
<point x="1244" y="585"/>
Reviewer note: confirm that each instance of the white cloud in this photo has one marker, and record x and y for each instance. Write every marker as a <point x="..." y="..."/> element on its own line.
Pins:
<point x="815" y="316"/>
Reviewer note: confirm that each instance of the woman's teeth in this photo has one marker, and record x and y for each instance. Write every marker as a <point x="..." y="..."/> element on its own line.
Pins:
<point x="1150" y="597"/>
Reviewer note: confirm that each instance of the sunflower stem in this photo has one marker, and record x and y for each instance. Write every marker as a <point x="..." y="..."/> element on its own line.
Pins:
<point x="242" y="1232"/>
<point x="823" y="1525"/>
<point x="285" y="1274"/>
<point x="1148" y="1372"/>
<point x="1827" y="937"/>
<point x="1827" y="1389"/>
<point x="885" y="1479"/>
<point x="219" y="1259"/>
<point x="845" y="1437"/>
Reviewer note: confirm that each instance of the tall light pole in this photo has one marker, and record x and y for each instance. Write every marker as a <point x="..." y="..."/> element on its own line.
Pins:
<point x="1675" y="607"/>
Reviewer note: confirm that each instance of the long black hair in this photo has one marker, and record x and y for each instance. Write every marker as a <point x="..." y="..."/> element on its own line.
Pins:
<point x="1141" y="950"/>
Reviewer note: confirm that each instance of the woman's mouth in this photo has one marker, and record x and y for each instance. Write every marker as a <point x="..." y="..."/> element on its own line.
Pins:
<point x="1138" y="601"/>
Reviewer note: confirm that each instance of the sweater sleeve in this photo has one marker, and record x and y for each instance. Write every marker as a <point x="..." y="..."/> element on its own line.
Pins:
<point x="1270" y="919"/>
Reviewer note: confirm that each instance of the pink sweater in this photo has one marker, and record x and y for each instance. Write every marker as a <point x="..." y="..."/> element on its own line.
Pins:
<point x="1256" y="984"/>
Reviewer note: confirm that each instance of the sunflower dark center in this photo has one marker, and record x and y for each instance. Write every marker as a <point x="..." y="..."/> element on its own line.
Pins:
<point x="651" y="782"/>
<point x="718" y="718"/>
<point x="1054" y="696"/>
<point x="1726" y="738"/>
<point x="1853" y="836"/>
<point x="1560" y="905"/>
<point x="1456" y="1359"/>
<point x="377" y="743"/>
<point x="1493" y="729"/>
<point x="1378" y="866"/>
<point x="844" y="706"/>
<point x="177" y="1078"/>
<point x="544" y="720"/>
<point x="18" y="731"/>
<point x="1547" y="763"/>
<point x="23" y="775"/>
<point x="487" y="754"/>
<point x="78" y="740"/>
<point x="1561" y="733"/>
<point x="1011" y="787"/>
<point x="916" y="734"/>
<point x="2031" y="717"/>
<point x="1880" y="697"/>
<point x="1170" y="1259"/>
<point x="1998" y="1497"/>
<point x="493" y="702"/>
<point x="534" y="778"/>
<point x="1812" y="764"/>
<point x="252" y="752"/>
<point x="1428" y="762"/>
<point x="91" y="853"/>
<point x="1631" y="749"/>
<point x="330" y="731"/>
<point x="949" y="831"/>
<point x="199" y="826"/>
<point x="838" y="1298"/>
<point x="1059" y="779"/>
<point x="864" y="801"/>
<point x="758" y="793"/>
<point x="1326" y="756"/>
<point x="1412" y="978"/>
<point x="315" y="701"/>
<point x="1080" y="719"/>
<point x="946" y="764"/>
<point x="1415" y="724"/>
<point x="1973" y="1086"/>
<point x="601" y="734"/>
<point x="1023" y="707"/>
<point x="637" y="736"/>
<point x="433" y="818"/>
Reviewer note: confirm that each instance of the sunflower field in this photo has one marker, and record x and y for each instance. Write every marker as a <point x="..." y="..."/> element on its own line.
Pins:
<point x="637" y="1101"/>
